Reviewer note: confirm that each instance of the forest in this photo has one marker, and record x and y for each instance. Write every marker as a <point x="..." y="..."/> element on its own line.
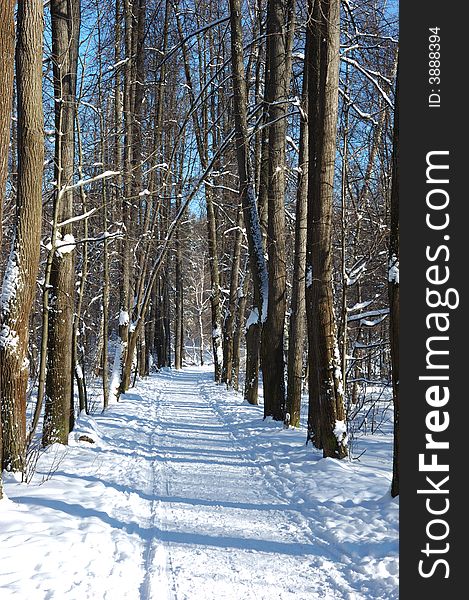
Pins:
<point x="191" y="183"/>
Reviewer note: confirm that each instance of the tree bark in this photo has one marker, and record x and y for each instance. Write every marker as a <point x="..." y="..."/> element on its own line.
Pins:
<point x="78" y="359"/>
<point x="230" y="314"/>
<point x="249" y="204"/>
<point x="279" y="35"/>
<point x="7" y="49"/>
<point x="393" y="290"/>
<point x="238" y="328"/>
<point x="125" y="286"/>
<point x="178" y="333"/>
<point x="326" y="417"/>
<point x="19" y="285"/>
<point x="58" y="418"/>
<point x="297" y="308"/>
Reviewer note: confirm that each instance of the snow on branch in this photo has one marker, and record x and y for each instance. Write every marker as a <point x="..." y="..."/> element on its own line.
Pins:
<point x="363" y="317"/>
<point x="83" y="182"/>
<point x="372" y="76"/>
<point x="220" y="187"/>
<point x="82" y="217"/>
<point x="361" y="114"/>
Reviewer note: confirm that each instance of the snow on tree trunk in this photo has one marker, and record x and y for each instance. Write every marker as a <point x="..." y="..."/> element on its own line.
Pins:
<point x="326" y="403"/>
<point x="59" y="411"/>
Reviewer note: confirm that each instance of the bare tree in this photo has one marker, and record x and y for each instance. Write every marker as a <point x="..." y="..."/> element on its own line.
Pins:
<point x="280" y="27"/>
<point x="297" y="307"/>
<point x="326" y="418"/>
<point x="249" y="203"/>
<point x="59" y="416"/>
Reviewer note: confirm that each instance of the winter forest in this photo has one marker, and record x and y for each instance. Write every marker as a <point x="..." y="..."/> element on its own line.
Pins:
<point x="199" y="250"/>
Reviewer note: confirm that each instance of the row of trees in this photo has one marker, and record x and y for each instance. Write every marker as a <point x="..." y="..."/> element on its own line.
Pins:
<point x="179" y="171"/>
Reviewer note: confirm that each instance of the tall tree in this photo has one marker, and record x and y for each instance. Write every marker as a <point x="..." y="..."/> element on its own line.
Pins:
<point x="19" y="284"/>
<point x="393" y="289"/>
<point x="58" y="418"/>
<point x="248" y="201"/>
<point x="7" y="48"/>
<point x="230" y="312"/>
<point x="326" y="417"/>
<point x="179" y="308"/>
<point x="277" y="83"/>
<point x="297" y="309"/>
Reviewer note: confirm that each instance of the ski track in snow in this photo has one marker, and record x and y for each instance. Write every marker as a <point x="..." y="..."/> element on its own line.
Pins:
<point x="173" y="503"/>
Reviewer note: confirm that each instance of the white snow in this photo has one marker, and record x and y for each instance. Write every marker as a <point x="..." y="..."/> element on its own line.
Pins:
<point x="115" y="375"/>
<point x="217" y="339"/>
<point x="123" y="318"/>
<point x="340" y="431"/>
<point x="370" y="313"/>
<point x="393" y="271"/>
<point x="11" y="284"/>
<point x="11" y="281"/>
<point x="253" y="318"/>
<point x="65" y="245"/>
<point x="188" y="493"/>
<point x="78" y="371"/>
<point x="355" y="273"/>
<point x="360" y="305"/>
<point x="309" y="276"/>
<point x="8" y="337"/>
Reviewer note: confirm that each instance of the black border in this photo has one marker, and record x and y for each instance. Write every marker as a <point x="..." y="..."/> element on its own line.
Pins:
<point x="423" y="129"/>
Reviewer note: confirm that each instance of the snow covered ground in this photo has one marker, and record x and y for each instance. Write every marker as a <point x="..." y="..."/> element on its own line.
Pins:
<point x="186" y="493"/>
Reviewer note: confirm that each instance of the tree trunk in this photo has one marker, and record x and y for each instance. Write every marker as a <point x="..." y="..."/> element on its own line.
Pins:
<point x="7" y="49"/>
<point x="238" y="329"/>
<point x="106" y="278"/>
<point x="215" y="300"/>
<point x="230" y="314"/>
<point x="58" y="418"/>
<point x="297" y="318"/>
<point x="78" y="361"/>
<point x="178" y="333"/>
<point x="125" y="287"/>
<point x="393" y="290"/>
<point x="326" y="418"/>
<point x="279" y="34"/>
<point x="19" y="285"/>
<point x="249" y="204"/>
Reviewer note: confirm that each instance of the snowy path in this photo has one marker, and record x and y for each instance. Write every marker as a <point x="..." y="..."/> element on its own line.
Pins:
<point x="228" y="533"/>
<point x="171" y="504"/>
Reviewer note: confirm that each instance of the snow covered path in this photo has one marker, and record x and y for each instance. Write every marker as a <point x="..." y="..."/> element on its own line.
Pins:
<point x="171" y="503"/>
<point x="227" y="532"/>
